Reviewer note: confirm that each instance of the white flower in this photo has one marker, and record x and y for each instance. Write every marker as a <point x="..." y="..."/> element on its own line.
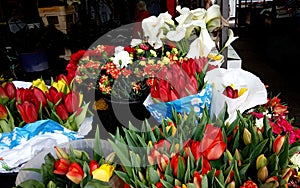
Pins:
<point x="213" y="17"/>
<point x="122" y="59"/>
<point x="135" y="42"/>
<point x="259" y="123"/>
<point x="118" y="49"/>
<point x="296" y="160"/>
<point x="176" y="35"/>
<point x="231" y="38"/>
<point x="153" y="28"/>
<point x="201" y="46"/>
<point x="220" y="77"/>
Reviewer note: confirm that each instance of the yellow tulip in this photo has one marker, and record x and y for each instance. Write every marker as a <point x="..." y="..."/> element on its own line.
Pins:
<point x="104" y="172"/>
<point x="61" y="86"/>
<point x="40" y="83"/>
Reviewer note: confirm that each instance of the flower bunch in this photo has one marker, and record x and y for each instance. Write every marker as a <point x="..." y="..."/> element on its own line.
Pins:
<point x="190" y="151"/>
<point x="74" y="168"/>
<point x="58" y="102"/>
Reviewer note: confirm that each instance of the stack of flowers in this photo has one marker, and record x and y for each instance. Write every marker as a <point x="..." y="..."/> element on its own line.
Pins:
<point x="34" y="116"/>
<point x="193" y="152"/>
<point x="59" y="102"/>
<point x="78" y="164"/>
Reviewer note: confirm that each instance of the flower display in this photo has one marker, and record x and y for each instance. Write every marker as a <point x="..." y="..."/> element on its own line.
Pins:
<point x="59" y="102"/>
<point x="198" y="153"/>
<point x="129" y="72"/>
<point x="74" y="168"/>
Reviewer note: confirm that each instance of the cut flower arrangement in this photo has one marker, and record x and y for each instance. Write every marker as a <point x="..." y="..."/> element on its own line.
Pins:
<point x="128" y="72"/>
<point x="34" y="116"/>
<point x="243" y="139"/>
<point x="59" y="102"/>
<point x="255" y="150"/>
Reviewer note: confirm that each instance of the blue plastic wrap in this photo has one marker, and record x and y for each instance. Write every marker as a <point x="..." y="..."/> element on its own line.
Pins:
<point x="197" y="102"/>
<point x="12" y="139"/>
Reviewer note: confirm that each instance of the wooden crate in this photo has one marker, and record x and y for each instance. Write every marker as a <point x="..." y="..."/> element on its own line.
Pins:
<point x="62" y="17"/>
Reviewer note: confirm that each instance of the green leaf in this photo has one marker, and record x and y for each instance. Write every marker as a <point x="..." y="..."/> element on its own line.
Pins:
<point x="97" y="184"/>
<point x="123" y="155"/>
<point x="166" y="184"/>
<point x="284" y="155"/>
<point x="97" y="152"/>
<point x="181" y="169"/>
<point x="152" y="174"/>
<point x="80" y="118"/>
<point x="31" y="183"/>
<point x="124" y="176"/>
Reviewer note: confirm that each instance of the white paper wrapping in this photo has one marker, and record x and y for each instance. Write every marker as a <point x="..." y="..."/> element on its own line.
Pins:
<point x="220" y="78"/>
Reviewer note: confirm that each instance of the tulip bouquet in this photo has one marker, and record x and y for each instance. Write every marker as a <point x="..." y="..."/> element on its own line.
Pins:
<point x="58" y="102"/>
<point x="82" y="166"/>
<point x="191" y="151"/>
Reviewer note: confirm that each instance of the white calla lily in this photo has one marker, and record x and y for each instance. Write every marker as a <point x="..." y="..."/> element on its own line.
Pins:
<point x="213" y="12"/>
<point x="201" y="46"/>
<point x="231" y="38"/>
<point x="176" y="35"/>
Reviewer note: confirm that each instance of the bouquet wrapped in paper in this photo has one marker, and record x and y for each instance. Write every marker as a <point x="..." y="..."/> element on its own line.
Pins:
<point x="237" y="88"/>
<point x="180" y="87"/>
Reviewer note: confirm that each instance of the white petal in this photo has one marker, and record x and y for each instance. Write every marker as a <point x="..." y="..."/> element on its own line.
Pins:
<point x="231" y="38"/>
<point x="213" y="12"/>
<point x="135" y="42"/>
<point x="176" y="35"/>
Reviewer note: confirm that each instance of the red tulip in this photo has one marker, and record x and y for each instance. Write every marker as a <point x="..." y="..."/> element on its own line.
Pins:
<point x="54" y="96"/>
<point x="11" y="90"/>
<point x="28" y="111"/>
<point x="205" y="166"/>
<point x="197" y="179"/>
<point x="24" y="94"/>
<point x="40" y="96"/>
<point x="249" y="184"/>
<point x="3" y="94"/>
<point x="195" y="149"/>
<point x="212" y="144"/>
<point x="278" y="143"/>
<point x="93" y="166"/>
<point x="61" y="166"/>
<point x="174" y="163"/>
<point x="62" y="112"/>
<point x="230" y="92"/>
<point x="72" y="101"/>
<point x="163" y="162"/>
<point x="75" y="173"/>
<point x="159" y="185"/>
<point x="173" y="95"/>
<point x="162" y="145"/>
<point x="3" y="112"/>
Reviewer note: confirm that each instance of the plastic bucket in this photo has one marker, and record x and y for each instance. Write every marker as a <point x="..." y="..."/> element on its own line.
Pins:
<point x="35" y="61"/>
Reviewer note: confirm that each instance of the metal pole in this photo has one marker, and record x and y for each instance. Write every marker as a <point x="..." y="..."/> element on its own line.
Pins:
<point x="224" y="32"/>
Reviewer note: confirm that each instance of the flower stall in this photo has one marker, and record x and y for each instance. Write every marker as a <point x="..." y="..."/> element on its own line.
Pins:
<point x="205" y="126"/>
